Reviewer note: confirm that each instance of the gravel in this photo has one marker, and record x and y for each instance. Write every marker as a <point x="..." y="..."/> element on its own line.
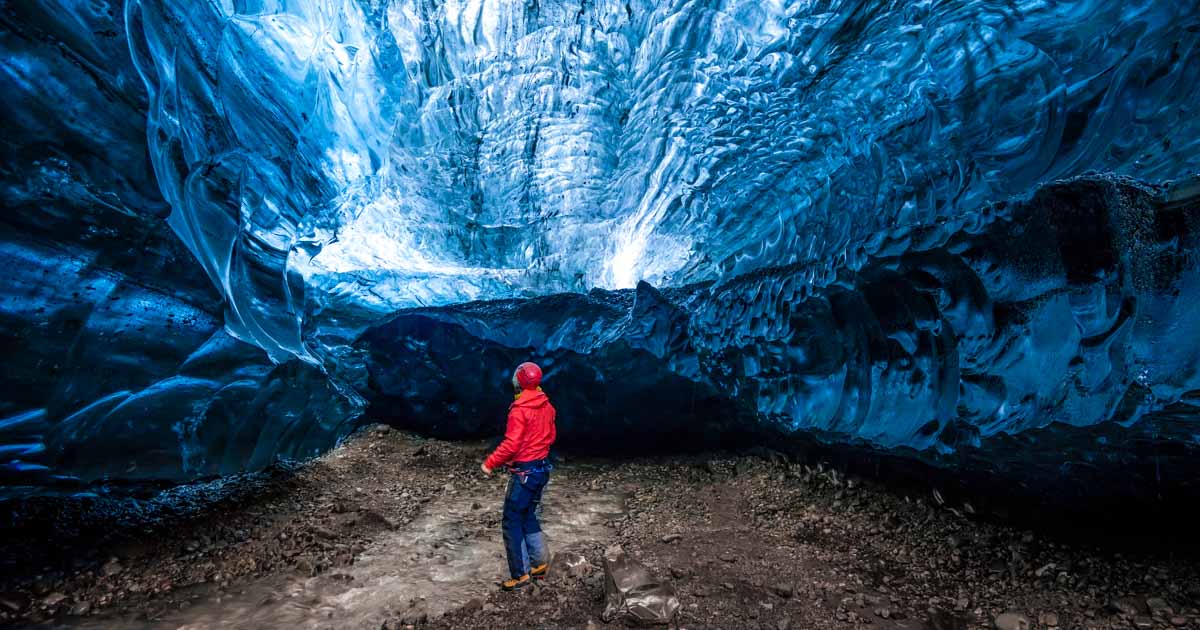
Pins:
<point x="747" y="541"/>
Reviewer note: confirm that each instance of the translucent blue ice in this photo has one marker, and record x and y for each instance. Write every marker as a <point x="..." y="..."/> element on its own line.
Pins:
<point x="215" y="208"/>
<point x="1078" y="307"/>
<point x="323" y="158"/>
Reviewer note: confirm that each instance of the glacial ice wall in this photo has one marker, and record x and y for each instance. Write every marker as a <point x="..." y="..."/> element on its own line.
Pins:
<point x="206" y="202"/>
<point x="1077" y="308"/>
<point x="116" y="364"/>
<point x="337" y="159"/>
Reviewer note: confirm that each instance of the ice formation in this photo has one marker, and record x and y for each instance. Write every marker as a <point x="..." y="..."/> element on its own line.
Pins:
<point x="399" y="154"/>
<point x="209" y="202"/>
<point x="1060" y="309"/>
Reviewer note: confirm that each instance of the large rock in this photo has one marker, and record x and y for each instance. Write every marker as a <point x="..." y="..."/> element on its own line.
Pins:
<point x="1012" y="620"/>
<point x="632" y="594"/>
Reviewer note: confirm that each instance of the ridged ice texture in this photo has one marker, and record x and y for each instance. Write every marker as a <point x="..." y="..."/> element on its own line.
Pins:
<point x="325" y="157"/>
<point x="1080" y="307"/>
<point x="324" y="162"/>
<point x="115" y="364"/>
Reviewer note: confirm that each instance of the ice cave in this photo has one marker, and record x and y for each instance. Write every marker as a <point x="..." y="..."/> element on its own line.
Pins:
<point x="938" y="239"/>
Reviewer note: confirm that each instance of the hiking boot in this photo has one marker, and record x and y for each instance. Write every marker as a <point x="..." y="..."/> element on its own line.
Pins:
<point x="539" y="572"/>
<point x="515" y="583"/>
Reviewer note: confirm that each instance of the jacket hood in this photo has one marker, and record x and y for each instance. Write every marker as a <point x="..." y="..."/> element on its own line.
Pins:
<point x="531" y="399"/>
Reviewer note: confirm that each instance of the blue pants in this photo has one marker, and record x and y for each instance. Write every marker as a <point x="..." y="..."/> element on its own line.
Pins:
<point x="523" y="539"/>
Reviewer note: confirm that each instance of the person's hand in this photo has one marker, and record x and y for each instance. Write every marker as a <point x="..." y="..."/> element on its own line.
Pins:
<point x="484" y="467"/>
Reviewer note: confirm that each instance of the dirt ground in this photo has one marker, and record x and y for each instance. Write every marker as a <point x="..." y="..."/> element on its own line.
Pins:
<point x="393" y="531"/>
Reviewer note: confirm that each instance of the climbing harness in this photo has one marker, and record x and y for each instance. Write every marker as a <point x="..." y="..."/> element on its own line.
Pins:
<point x="522" y="470"/>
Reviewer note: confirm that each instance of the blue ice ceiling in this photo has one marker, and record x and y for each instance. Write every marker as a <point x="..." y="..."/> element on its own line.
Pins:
<point x="210" y="203"/>
<point x="324" y="156"/>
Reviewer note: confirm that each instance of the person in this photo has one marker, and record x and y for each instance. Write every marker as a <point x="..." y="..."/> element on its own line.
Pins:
<point x="525" y="452"/>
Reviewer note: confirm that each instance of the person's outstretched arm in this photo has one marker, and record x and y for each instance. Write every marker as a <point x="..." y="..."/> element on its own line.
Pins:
<point x="511" y="445"/>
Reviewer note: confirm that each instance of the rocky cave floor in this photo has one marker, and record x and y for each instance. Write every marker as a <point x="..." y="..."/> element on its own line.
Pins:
<point x="392" y="531"/>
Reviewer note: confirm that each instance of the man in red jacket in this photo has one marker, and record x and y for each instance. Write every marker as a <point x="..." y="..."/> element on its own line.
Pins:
<point x="525" y="451"/>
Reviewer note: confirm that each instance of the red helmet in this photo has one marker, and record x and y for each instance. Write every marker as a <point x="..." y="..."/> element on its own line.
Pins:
<point x="527" y="376"/>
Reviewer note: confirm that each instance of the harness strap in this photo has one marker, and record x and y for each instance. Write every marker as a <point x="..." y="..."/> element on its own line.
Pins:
<point x="522" y="470"/>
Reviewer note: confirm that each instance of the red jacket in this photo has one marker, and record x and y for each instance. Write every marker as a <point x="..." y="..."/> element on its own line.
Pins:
<point x="530" y="430"/>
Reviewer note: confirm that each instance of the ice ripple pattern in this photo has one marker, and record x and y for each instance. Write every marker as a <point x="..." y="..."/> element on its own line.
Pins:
<point x="1076" y="307"/>
<point x="330" y="161"/>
